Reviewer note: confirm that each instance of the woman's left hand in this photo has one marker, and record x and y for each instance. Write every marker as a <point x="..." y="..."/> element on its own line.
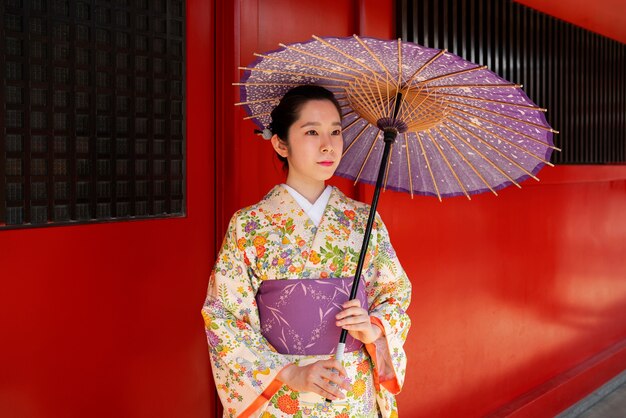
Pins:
<point x="356" y="321"/>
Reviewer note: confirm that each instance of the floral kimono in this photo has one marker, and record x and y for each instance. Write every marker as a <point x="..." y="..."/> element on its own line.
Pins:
<point x="276" y="240"/>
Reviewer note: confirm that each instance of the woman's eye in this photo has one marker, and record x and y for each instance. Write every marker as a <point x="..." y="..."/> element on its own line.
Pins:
<point x="311" y="132"/>
<point x="336" y="132"/>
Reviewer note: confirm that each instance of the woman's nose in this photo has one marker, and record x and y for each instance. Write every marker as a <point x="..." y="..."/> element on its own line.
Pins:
<point x="326" y="143"/>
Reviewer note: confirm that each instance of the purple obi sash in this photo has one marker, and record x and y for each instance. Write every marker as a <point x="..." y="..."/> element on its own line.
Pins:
<point x="298" y="316"/>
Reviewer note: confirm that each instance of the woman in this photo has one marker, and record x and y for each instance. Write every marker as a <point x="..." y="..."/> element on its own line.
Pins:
<point x="278" y="294"/>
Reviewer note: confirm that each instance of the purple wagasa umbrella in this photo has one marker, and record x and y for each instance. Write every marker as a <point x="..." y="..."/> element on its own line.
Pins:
<point x="461" y="129"/>
<point x="415" y="119"/>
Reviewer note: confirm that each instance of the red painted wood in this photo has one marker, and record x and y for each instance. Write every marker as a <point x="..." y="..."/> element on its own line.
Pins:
<point x="246" y="164"/>
<point x="605" y="17"/>
<point x="104" y="320"/>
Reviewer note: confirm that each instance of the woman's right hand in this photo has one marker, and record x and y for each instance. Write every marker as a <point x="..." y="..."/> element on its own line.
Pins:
<point x="318" y="377"/>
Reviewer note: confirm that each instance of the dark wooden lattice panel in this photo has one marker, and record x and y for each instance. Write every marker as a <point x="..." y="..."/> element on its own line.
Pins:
<point x="576" y="74"/>
<point x="93" y="122"/>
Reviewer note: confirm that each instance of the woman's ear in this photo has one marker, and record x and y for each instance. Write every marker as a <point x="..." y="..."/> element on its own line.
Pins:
<point x="280" y="146"/>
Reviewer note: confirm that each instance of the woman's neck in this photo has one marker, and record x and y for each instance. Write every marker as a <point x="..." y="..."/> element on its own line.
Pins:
<point x="310" y="190"/>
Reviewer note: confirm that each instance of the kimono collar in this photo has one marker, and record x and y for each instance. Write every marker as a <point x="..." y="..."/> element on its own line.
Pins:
<point x="314" y="211"/>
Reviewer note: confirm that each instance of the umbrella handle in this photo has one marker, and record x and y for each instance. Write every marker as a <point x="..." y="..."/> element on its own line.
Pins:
<point x="390" y="135"/>
<point x="339" y="357"/>
<point x="389" y="138"/>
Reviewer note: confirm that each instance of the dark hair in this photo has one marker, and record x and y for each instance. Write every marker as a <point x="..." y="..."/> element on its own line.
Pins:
<point x="288" y="110"/>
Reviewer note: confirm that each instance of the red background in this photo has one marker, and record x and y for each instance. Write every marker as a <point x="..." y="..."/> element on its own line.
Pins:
<point x="519" y="301"/>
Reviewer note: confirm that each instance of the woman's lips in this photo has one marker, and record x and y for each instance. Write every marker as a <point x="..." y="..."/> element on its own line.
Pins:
<point x="326" y="163"/>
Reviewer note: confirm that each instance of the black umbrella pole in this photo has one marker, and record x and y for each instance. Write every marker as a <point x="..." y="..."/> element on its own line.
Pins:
<point x="389" y="138"/>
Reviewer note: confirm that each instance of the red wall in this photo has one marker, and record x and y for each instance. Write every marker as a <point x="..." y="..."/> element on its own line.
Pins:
<point x="104" y="320"/>
<point x="513" y="295"/>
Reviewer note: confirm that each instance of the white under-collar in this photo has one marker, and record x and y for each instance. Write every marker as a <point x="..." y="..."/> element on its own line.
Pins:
<point x="314" y="211"/>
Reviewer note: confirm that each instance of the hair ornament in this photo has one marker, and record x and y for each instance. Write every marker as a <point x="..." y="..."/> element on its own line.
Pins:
<point x="265" y="133"/>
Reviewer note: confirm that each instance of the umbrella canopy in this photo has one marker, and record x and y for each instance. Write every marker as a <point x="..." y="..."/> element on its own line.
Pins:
<point x="461" y="129"/>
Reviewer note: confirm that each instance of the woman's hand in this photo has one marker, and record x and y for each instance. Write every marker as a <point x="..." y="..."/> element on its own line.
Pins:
<point x="318" y="377"/>
<point x="356" y="321"/>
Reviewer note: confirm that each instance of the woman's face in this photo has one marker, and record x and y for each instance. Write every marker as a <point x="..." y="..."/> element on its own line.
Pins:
<point x="315" y="143"/>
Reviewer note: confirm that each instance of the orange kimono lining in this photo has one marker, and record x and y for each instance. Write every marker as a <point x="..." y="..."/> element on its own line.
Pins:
<point x="263" y="397"/>
<point x="391" y="384"/>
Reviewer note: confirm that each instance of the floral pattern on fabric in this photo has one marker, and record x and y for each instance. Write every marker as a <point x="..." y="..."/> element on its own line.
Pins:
<point x="275" y="240"/>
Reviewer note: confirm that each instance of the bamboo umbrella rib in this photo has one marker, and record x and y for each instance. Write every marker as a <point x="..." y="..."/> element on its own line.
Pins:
<point x="270" y="99"/>
<point x="456" y="110"/>
<point x="351" y="124"/>
<point x="481" y="154"/>
<point x="482" y="109"/>
<point x="419" y="109"/>
<point x="426" y="64"/>
<point x="494" y="148"/>
<point x="467" y="70"/>
<point x="256" y="115"/>
<point x="388" y="75"/>
<point x="423" y="118"/>
<point x="487" y="86"/>
<point x="381" y="100"/>
<point x="277" y="99"/>
<point x="304" y="64"/>
<point x="341" y="95"/>
<point x="322" y="58"/>
<point x="370" y="108"/>
<point x="356" y="138"/>
<point x="415" y="97"/>
<point x="367" y="98"/>
<point x="408" y="161"/>
<point x="347" y="56"/>
<point x="428" y="166"/>
<point x="432" y="139"/>
<point x="299" y="74"/>
<point x="252" y="83"/>
<point x="399" y="83"/>
<point x="460" y="154"/>
<point x="367" y="157"/>
<point x="414" y="115"/>
<point x="504" y="139"/>
<point x="482" y="99"/>
<point x="380" y="95"/>
<point x="352" y="89"/>
<point x="352" y="112"/>
<point x="378" y="61"/>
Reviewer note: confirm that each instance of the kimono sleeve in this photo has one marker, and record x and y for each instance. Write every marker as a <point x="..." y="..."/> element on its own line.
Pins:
<point x="389" y="297"/>
<point x="244" y="365"/>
